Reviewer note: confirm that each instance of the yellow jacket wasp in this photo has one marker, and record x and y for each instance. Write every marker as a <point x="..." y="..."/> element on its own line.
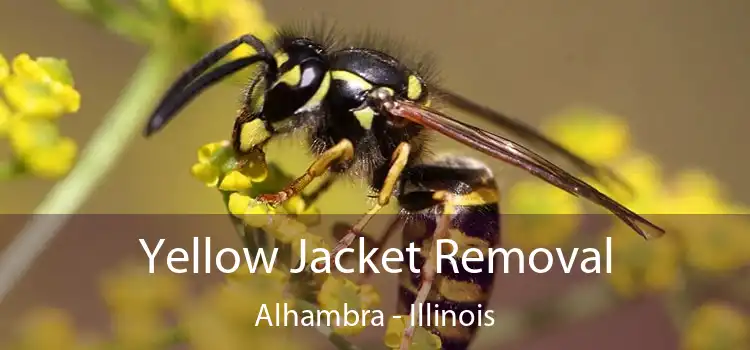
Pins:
<point x="366" y="114"/>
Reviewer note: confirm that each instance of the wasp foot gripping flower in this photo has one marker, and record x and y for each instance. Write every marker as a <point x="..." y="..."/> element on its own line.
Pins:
<point x="216" y="162"/>
<point x="338" y="293"/>
<point x="218" y="168"/>
<point x="717" y="326"/>
<point x="37" y="92"/>
<point x="422" y="340"/>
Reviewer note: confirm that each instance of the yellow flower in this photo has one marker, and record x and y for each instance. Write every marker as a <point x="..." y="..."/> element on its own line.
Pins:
<point x="235" y="181"/>
<point x="643" y="173"/>
<point x="696" y="192"/>
<point x="594" y="135"/>
<point x="6" y="117"/>
<point x="54" y="161"/>
<point x="138" y="328"/>
<point x="215" y="161"/>
<point x="541" y="215"/>
<point x="422" y="340"/>
<point x="286" y="230"/>
<point x="640" y="266"/>
<point x="242" y="17"/>
<point x="199" y="10"/>
<point x="716" y="326"/>
<point x="48" y="329"/>
<point x="4" y="69"/>
<point x="338" y="292"/>
<point x="715" y="243"/>
<point x="228" y="317"/>
<point x="312" y="242"/>
<point x="205" y="173"/>
<point x="41" y="88"/>
<point x="252" y="212"/>
<point x="133" y="288"/>
<point x="41" y="148"/>
<point x="308" y="215"/>
<point x="276" y="277"/>
<point x="207" y="152"/>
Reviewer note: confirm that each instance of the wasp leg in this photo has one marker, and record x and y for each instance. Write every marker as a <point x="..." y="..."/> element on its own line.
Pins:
<point x="398" y="163"/>
<point x="341" y="152"/>
<point x="379" y="243"/>
<point x="429" y="268"/>
<point x="312" y="197"/>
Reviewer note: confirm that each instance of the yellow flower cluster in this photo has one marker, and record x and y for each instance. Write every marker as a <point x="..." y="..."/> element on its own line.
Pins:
<point x="50" y="329"/>
<point x="337" y="292"/>
<point x="36" y="93"/>
<point x="226" y="317"/>
<point x="640" y="266"/>
<point x="153" y="311"/>
<point x="231" y="18"/>
<point x="217" y="167"/>
<point x="715" y="243"/>
<point x="138" y="303"/>
<point x="288" y="227"/>
<point x="717" y="325"/>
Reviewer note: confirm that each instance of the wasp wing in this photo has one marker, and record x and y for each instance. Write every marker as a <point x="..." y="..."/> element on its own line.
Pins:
<point x="517" y="155"/>
<point x="529" y="133"/>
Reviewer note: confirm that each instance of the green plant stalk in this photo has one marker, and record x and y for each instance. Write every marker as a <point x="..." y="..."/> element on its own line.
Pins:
<point x="96" y="161"/>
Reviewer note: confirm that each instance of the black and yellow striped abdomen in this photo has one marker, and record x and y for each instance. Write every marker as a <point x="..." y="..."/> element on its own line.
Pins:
<point x="475" y="223"/>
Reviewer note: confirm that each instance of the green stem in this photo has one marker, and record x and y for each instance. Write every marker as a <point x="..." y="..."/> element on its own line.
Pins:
<point x="96" y="161"/>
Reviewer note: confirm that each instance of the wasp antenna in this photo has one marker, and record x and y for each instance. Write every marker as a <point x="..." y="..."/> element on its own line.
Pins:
<point x="169" y="108"/>
<point x="186" y="87"/>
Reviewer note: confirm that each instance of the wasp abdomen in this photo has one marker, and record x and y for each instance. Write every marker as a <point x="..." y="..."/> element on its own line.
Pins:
<point x="456" y="304"/>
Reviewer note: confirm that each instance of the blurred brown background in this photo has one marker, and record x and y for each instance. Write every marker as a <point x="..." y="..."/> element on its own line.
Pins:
<point x="677" y="70"/>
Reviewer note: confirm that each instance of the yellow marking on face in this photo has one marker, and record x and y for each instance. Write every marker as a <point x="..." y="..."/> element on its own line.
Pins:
<point x="253" y="134"/>
<point x="320" y="94"/>
<point x="281" y="58"/>
<point x="351" y="78"/>
<point x="365" y="117"/>
<point x="257" y="98"/>
<point x="414" y="88"/>
<point x="291" y="77"/>
<point x="257" y="103"/>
